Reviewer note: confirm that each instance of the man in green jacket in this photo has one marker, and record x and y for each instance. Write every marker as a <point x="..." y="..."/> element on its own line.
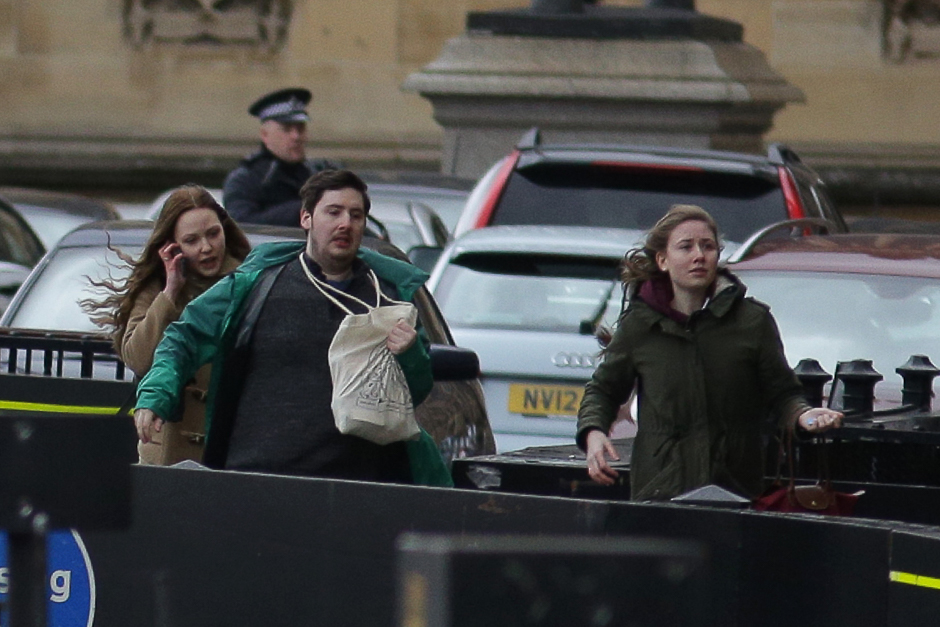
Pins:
<point x="267" y="330"/>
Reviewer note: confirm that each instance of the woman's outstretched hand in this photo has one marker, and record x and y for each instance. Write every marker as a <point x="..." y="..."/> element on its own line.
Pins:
<point x="820" y="419"/>
<point x="599" y="449"/>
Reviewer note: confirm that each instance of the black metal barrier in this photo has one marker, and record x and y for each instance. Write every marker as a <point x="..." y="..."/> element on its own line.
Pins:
<point x="64" y="395"/>
<point x="57" y="472"/>
<point x="222" y="548"/>
<point x="475" y="581"/>
<point x="61" y="372"/>
<point x="898" y="471"/>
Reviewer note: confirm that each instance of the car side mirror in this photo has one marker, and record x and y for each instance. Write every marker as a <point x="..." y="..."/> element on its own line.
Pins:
<point x="453" y="363"/>
<point x="425" y="256"/>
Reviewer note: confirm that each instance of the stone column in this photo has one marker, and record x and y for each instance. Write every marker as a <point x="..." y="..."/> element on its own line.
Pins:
<point x="661" y="74"/>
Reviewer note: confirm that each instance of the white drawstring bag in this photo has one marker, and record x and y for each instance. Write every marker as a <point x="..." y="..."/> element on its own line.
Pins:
<point x="371" y="399"/>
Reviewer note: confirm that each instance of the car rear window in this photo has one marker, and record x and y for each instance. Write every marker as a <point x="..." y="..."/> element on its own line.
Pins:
<point x="529" y="292"/>
<point x="883" y="318"/>
<point x="635" y="198"/>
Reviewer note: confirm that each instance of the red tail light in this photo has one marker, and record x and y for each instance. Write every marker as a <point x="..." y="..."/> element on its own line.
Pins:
<point x="496" y="191"/>
<point x="791" y="195"/>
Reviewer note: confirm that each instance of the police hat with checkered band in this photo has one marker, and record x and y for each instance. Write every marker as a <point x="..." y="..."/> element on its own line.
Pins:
<point x="283" y="105"/>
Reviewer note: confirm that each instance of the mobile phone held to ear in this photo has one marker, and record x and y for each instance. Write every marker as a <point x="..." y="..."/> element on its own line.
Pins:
<point x="184" y="267"/>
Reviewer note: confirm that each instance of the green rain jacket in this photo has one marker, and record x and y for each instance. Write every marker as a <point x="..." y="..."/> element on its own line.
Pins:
<point x="705" y="389"/>
<point x="205" y="333"/>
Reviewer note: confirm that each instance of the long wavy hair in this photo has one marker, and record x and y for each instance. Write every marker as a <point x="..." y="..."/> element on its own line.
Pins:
<point x="639" y="264"/>
<point x="113" y="311"/>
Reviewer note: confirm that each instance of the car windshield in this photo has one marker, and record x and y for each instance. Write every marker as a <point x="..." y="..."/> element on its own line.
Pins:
<point x="839" y="317"/>
<point x="532" y="293"/>
<point x="593" y="195"/>
<point x="52" y="301"/>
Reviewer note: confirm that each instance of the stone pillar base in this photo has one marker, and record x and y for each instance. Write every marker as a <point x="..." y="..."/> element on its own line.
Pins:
<point x="487" y="90"/>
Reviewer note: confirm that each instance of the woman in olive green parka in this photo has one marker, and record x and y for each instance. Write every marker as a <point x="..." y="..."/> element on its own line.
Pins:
<point x="707" y="364"/>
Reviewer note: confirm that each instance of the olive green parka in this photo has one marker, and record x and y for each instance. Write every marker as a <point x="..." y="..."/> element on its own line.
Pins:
<point x="706" y="393"/>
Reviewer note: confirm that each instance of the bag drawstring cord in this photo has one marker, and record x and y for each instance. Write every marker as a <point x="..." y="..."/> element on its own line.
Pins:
<point x="320" y="285"/>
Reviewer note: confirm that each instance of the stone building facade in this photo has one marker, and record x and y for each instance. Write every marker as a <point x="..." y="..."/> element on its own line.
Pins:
<point x="124" y="91"/>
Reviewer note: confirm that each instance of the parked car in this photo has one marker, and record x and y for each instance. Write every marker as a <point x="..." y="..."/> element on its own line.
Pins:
<point x="844" y="297"/>
<point x="53" y="214"/>
<point x="443" y="193"/>
<point x="409" y="223"/>
<point x="528" y="299"/>
<point x="454" y="414"/>
<point x="632" y="187"/>
<point x="20" y="250"/>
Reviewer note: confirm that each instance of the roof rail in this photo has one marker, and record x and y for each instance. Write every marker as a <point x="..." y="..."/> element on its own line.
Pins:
<point x="796" y="227"/>
<point x="531" y="139"/>
<point x="781" y="154"/>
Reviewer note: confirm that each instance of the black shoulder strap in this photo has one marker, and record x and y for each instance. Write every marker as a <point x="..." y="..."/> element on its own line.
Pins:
<point x="253" y="304"/>
<point x="228" y="392"/>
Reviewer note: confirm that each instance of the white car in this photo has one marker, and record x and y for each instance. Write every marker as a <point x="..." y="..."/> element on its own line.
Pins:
<point x="527" y="300"/>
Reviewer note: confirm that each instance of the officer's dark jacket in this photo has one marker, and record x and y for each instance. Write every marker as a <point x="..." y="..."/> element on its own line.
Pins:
<point x="265" y="190"/>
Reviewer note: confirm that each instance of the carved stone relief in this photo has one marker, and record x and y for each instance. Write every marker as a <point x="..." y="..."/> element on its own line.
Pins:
<point x="260" y="23"/>
<point x="911" y="29"/>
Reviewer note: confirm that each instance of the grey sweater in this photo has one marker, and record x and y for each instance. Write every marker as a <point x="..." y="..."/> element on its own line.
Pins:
<point x="283" y="422"/>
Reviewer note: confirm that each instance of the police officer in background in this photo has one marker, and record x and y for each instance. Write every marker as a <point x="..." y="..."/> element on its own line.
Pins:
<point x="265" y="187"/>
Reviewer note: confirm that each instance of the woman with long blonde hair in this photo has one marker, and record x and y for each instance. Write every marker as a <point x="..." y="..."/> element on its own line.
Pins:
<point x="194" y="243"/>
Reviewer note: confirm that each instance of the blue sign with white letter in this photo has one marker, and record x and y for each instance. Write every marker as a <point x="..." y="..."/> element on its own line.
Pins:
<point x="70" y="581"/>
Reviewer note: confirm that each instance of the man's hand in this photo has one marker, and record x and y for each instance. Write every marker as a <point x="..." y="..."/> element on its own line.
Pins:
<point x="147" y="423"/>
<point x="599" y="448"/>
<point x="401" y="338"/>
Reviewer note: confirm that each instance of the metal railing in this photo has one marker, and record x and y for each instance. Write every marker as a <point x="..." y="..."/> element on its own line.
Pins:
<point x="60" y="354"/>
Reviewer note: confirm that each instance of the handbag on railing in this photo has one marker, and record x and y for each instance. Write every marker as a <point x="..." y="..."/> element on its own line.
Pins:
<point x="819" y="498"/>
<point x="371" y="398"/>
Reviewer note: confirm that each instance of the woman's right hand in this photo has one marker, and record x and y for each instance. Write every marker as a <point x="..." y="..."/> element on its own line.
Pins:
<point x="172" y="257"/>
<point x="599" y="448"/>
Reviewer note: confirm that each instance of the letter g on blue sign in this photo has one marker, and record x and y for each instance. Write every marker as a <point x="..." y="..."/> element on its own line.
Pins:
<point x="70" y="581"/>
